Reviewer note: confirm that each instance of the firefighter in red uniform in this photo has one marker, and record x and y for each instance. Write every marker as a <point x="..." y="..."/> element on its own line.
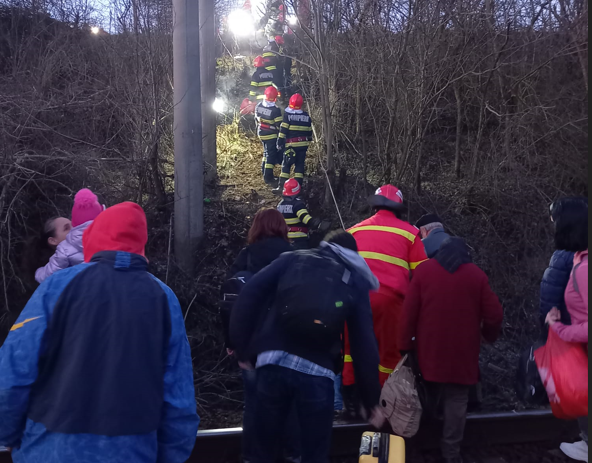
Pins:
<point x="392" y="249"/>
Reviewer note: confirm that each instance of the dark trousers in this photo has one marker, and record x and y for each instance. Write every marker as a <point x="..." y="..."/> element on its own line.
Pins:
<point x="294" y="157"/>
<point x="452" y="401"/>
<point x="278" y="390"/>
<point x="271" y="157"/>
<point x="291" y="438"/>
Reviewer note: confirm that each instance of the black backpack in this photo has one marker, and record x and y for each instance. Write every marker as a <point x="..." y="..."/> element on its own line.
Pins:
<point x="313" y="300"/>
<point x="231" y="290"/>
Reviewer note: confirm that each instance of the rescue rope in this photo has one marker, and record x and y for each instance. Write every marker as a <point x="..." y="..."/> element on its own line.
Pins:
<point x="326" y="173"/>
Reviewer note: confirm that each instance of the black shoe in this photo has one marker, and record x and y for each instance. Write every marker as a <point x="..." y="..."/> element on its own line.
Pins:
<point x="271" y="181"/>
<point x="279" y="191"/>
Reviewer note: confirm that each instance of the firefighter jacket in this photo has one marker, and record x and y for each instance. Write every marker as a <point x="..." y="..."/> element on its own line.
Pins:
<point x="274" y="63"/>
<point x="392" y="249"/>
<point x="262" y="78"/>
<point x="296" y="130"/>
<point x="268" y="117"/>
<point x="297" y="217"/>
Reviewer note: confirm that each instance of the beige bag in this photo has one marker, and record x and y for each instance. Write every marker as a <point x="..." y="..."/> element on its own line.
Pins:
<point x="400" y="401"/>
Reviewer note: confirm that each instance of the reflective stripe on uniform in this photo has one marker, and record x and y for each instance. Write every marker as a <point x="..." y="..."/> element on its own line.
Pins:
<point x="269" y="166"/>
<point x="414" y="265"/>
<point x="273" y="136"/>
<point x="388" y="371"/>
<point x="279" y="119"/>
<point x="285" y="125"/>
<point x="260" y="97"/>
<point x="300" y="144"/>
<point x="382" y="369"/>
<point x="284" y="175"/>
<point x="385" y="258"/>
<point x="282" y="135"/>
<point x="270" y="68"/>
<point x="396" y="231"/>
<point x="301" y="212"/>
<point x="294" y="235"/>
<point x="301" y="128"/>
<point x="292" y="221"/>
<point x="297" y="175"/>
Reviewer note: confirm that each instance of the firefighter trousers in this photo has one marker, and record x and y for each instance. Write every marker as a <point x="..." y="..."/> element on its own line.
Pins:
<point x="271" y="157"/>
<point x="386" y="312"/>
<point x="294" y="157"/>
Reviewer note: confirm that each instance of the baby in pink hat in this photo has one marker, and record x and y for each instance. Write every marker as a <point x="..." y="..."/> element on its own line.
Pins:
<point x="69" y="252"/>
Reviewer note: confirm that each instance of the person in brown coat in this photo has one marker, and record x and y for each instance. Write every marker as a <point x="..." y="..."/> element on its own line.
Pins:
<point x="449" y="306"/>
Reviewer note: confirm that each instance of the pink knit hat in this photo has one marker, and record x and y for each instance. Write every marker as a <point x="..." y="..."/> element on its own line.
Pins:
<point x="86" y="207"/>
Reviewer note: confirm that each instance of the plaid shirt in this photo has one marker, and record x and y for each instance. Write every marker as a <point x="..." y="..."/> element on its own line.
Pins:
<point x="293" y="362"/>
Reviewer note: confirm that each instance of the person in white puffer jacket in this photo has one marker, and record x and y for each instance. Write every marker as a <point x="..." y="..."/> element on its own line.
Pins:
<point x="70" y="252"/>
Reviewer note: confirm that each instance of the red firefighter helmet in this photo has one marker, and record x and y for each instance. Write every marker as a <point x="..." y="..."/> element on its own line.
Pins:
<point x="388" y="197"/>
<point x="271" y="93"/>
<point x="296" y="101"/>
<point x="259" y="62"/>
<point x="291" y="188"/>
<point x="279" y="40"/>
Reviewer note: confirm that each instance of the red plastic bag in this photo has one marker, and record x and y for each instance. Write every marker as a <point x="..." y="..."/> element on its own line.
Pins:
<point x="247" y="107"/>
<point x="563" y="367"/>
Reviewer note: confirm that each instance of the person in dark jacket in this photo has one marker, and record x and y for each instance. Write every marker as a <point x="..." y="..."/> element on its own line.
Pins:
<point x="432" y="233"/>
<point x="98" y="366"/>
<point x="261" y="80"/>
<point x="297" y="217"/>
<point x="449" y="306"/>
<point x="268" y="240"/>
<point x="293" y="370"/>
<point x="269" y="117"/>
<point x="557" y="275"/>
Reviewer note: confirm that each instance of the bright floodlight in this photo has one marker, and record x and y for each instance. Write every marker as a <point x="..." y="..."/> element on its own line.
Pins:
<point x="240" y="23"/>
<point x="95" y="30"/>
<point x="292" y="20"/>
<point x="219" y="105"/>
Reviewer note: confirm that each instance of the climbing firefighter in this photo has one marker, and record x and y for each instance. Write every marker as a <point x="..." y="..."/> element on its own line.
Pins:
<point x="393" y="249"/>
<point x="293" y="142"/>
<point x="262" y="78"/>
<point x="274" y="18"/>
<point x="275" y="61"/>
<point x="299" y="221"/>
<point x="269" y="118"/>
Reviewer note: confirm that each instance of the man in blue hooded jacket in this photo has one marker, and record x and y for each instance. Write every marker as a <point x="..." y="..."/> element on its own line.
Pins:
<point x="98" y="366"/>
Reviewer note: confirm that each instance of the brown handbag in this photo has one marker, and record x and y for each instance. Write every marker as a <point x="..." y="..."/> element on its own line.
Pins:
<point x="400" y="401"/>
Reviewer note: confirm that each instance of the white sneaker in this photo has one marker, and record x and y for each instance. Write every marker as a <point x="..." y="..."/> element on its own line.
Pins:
<point x="577" y="451"/>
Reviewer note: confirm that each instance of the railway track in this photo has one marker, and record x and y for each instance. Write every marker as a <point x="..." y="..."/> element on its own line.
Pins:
<point x="223" y="445"/>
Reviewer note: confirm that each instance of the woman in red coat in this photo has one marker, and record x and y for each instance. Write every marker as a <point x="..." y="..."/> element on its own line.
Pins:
<point x="449" y="306"/>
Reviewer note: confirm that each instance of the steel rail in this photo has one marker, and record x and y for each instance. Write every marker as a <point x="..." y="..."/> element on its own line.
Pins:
<point x="484" y="429"/>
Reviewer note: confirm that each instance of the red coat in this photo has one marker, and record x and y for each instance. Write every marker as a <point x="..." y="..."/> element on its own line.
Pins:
<point x="392" y="248"/>
<point x="446" y="314"/>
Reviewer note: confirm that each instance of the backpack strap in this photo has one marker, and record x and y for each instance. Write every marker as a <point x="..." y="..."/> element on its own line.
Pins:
<point x="574" y="278"/>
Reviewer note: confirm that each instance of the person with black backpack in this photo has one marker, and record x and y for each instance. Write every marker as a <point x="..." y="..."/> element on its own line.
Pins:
<point x="297" y="341"/>
<point x="267" y="240"/>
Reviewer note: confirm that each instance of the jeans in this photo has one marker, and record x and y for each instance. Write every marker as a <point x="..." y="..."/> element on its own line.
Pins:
<point x="290" y="445"/>
<point x="338" y="402"/>
<point x="278" y="390"/>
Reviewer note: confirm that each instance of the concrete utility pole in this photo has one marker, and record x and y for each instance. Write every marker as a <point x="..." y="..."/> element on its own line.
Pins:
<point x="207" y="42"/>
<point x="189" y="179"/>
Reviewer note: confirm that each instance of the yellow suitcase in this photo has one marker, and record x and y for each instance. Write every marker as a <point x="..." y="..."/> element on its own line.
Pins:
<point x="382" y="448"/>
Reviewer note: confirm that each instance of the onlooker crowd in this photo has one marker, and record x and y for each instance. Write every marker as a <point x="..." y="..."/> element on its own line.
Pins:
<point x="98" y="365"/>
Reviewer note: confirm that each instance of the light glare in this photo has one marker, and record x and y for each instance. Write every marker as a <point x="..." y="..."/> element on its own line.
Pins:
<point x="219" y="105"/>
<point x="95" y="30"/>
<point x="240" y="23"/>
